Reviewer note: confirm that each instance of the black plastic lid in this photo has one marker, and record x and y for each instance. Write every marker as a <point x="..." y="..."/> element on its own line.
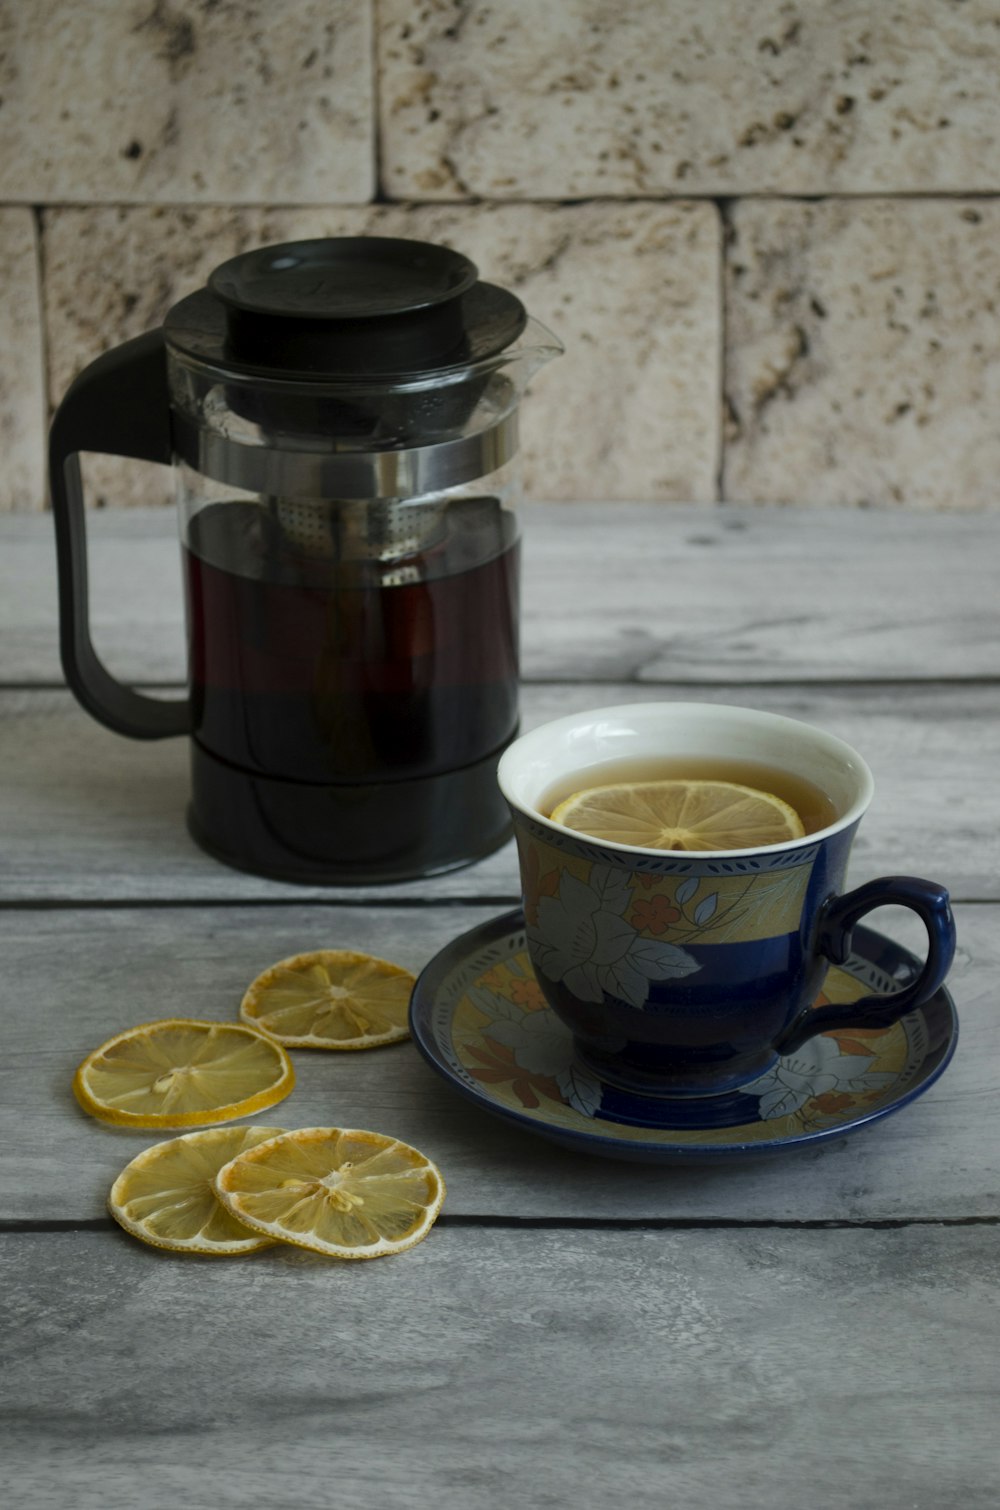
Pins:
<point x="352" y="278"/>
<point x="347" y="307"/>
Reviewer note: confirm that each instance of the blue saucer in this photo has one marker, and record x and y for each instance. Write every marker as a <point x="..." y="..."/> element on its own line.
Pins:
<point x="479" y="1018"/>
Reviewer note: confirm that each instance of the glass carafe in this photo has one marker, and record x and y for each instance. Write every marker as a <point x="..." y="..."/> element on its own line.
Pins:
<point x="342" y="419"/>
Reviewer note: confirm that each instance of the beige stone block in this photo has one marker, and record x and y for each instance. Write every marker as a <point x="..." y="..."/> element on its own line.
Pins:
<point x="22" y="386"/>
<point x="862" y="360"/>
<point x="631" y="411"/>
<point x="112" y="273"/>
<point x="238" y="101"/>
<point x="511" y="99"/>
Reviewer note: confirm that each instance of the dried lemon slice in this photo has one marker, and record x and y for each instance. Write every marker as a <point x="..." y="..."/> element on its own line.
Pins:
<point x="183" y="1073"/>
<point x="342" y="1192"/>
<point x="330" y="999"/>
<point x="681" y="815"/>
<point x="165" y="1195"/>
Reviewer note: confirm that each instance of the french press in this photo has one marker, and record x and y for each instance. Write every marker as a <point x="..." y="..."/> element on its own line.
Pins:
<point x="341" y="415"/>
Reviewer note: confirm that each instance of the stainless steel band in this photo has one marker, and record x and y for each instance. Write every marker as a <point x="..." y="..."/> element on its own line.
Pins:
<point x="345" y="474"/>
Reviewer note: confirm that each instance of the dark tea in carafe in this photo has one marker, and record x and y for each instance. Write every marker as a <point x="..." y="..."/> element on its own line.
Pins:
<point x="318" y="665"/>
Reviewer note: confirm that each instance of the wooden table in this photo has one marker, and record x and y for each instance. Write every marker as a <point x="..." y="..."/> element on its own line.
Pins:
<point x="820" y="1328"/>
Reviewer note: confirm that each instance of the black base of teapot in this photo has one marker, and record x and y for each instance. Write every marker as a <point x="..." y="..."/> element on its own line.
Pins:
<point x="340" y="834"/>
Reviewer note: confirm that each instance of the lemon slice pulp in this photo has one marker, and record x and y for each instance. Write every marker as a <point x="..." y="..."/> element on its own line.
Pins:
<point x="165" y="1196"/>
<point x="681" y="815"/>
<point x="346" y="1193"/>
<point x="183" y="1073"/>
<point x="331" y="999"/>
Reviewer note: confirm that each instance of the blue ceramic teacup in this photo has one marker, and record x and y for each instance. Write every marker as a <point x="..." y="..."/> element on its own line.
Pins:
<point x="690" y="973"/>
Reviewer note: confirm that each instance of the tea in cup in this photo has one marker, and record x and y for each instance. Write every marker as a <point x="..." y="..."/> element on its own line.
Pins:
<point x="682" y="866"/>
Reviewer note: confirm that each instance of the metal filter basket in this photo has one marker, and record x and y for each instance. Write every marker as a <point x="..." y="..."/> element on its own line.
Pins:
<point x="384" y="530"/>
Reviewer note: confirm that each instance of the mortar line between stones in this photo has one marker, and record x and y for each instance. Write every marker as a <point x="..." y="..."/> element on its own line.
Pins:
<point x="706" y="197"/>
<point x="723" y="207"/>
<point x="43" y="341"/>
<point x="378" y="145"/>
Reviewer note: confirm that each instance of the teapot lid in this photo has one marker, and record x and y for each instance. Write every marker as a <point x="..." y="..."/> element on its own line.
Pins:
<point x="346" y="307"/>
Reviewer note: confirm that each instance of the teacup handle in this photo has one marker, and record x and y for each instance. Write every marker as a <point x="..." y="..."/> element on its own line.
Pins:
<point x="931" y="904"/>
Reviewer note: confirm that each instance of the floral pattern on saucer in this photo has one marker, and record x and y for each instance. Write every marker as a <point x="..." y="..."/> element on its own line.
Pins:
<point x="480" y="1018"/>
<point x="506" y="1036"/>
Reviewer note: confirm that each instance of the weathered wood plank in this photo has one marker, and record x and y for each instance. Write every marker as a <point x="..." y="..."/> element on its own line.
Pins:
<point x="701" y="1369"/>
<point x="758" y="595"/>
<point x="72" y="978"/>
<point x="136" y="593"/>
<point x="87" y="815"/>
<point x="617" y="593"/>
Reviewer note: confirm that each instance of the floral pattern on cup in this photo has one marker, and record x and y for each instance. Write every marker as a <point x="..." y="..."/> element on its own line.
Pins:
<point x="600" y="928"/>
<point x="583" y="938"/>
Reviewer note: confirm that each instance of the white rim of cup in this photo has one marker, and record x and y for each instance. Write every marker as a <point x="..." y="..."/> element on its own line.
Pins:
<point x="528" y="747"/>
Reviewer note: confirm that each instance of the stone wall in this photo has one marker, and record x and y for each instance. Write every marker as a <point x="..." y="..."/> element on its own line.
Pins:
<point x="765" y="231"/>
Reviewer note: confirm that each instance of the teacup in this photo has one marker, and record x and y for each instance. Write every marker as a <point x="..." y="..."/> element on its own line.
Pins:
<point x="691" y="973"/>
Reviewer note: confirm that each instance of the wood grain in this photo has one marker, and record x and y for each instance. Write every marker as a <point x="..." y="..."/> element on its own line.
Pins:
<point x="623" y="592"/>
<point x="88" y="815"/>
<point x="72" y="978"/>
<point x="547" y="1365"/>
<point x="490" y="1368"/>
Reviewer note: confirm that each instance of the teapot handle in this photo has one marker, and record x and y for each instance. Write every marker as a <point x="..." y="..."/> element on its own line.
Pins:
<point x="119" y="405"/>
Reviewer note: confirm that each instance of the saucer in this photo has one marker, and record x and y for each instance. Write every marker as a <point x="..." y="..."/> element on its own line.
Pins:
<point x="479" y="1018"/>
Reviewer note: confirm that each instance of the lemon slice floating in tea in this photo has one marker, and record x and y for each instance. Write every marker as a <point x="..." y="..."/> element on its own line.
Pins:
<point x="183" y="1073"/>
<point x="331" y="999"/>
<point x="345" y="1193"/>
<point x="681" y="815"/>
<point x="165" y="1195"/>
